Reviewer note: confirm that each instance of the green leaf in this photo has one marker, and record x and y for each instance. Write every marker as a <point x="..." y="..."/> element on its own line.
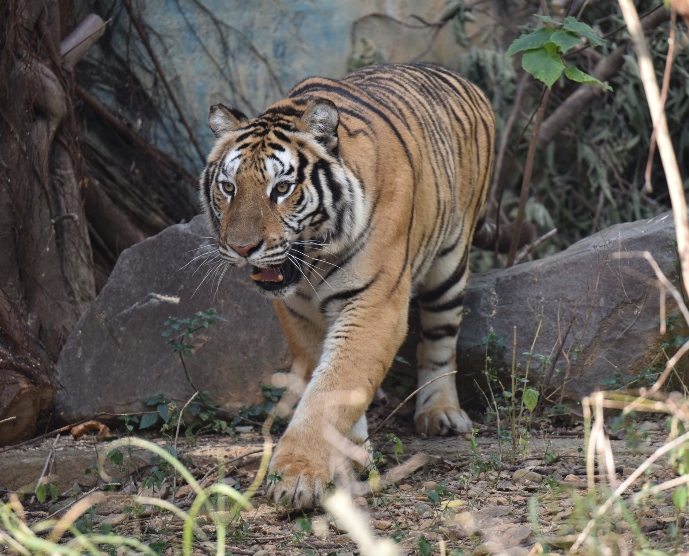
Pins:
<point x="583" y="30"/>
<point x="544" y="66"/>
<point x="548" y="19"/>
<point x="565" y="40"/>
<point x="40" y="493"/>
<point x="575" y="74"/>
<point x="148" y="420"/>
<point x="680" y="497"/>
<point x="530" y="398"/>
<point x="433" y="496"/>
<point x="533" y="40"/>
<point x="399" y="448"/>
<point x="115" y="457"/>
<point x="304" y="524"/>
<point x="53" y="492"/>
<point x="424" y="546"/>
<point x="164" y="410"/>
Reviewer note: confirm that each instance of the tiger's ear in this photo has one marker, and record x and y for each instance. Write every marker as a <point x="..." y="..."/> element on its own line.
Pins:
<point x="321" y="119"/>
<point x="222" y="119"/>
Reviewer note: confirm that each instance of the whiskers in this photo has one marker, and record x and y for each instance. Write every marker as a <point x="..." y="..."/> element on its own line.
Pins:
<point x="209" y="256"/>
<point x="218" y="268"/>
<point x="313" y="244"/>
<point x="296" y="264"/>
<point x="206" y="251"/>
<point x="312" y="268"/>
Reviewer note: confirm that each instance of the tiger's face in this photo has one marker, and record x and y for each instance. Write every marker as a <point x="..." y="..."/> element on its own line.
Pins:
<point x="272" y="187"/>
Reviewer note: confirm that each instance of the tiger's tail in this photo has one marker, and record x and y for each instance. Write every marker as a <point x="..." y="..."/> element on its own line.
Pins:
<point x="488" y="235"/>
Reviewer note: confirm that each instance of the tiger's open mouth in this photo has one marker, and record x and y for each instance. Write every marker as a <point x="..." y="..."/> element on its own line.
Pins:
<point x="272" y="278"/>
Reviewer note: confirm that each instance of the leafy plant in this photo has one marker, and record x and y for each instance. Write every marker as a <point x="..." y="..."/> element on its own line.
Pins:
<point x="544" y="48"/>
<point x="43" y="490"/>
<point x="181" y="331"/>
<point x="424" y="546"/>
<point x="435" y="495"/>
<point x="398" y="447"/>
<point x="259" y="412"/>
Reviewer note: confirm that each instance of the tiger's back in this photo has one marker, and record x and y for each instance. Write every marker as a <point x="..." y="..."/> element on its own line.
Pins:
<point x="433" y="124"/>
<point x="349" y="197"/>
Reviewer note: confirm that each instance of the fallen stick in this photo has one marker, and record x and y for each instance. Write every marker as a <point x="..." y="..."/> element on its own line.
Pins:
<point x="395" y="475"/>
<point x="528" y="248"/>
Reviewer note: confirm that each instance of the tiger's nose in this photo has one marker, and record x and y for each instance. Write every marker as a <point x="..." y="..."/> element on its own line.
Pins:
<point x="243" y="250"/>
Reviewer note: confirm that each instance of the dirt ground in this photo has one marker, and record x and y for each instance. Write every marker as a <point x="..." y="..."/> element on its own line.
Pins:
<point x="458" y="498"/>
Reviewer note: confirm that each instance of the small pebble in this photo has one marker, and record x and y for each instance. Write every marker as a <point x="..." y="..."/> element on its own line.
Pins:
<point x="573" y="479"/>
<point x="405" y="488"/>
<point x="361" y="502"/>
<point x="423" y="508"/>
<point x="382" y="524"/>
<point x="429" y="485"/>
<point x="526" y="475"/>
<point x="647" y="522"/>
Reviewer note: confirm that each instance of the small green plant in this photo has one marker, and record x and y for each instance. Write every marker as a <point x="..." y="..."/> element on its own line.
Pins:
<point x="181" y="331"/>
<point x="398" y="447"/>
<point x="518" y="400"/>
<point x="424" y="546"/>
<point x="274" y="478"/>
<point x="260" y="412"/>
<point x="129" y="422"/>
<point x="478" y="464"/>
<point x="544" y="49"/>
<point x="435" y="495"/>
<point x="42" y="492"/>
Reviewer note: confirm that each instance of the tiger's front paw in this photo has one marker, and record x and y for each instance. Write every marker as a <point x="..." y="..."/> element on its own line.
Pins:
<point x="442" y="420"/>
<point x="304" y="472"/>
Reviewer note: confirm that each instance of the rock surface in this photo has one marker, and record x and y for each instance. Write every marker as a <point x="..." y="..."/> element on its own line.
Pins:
<point x="611" y="303"/>
<point x="115" y="356"/>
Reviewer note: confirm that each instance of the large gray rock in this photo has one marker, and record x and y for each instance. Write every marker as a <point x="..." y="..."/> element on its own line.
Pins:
<point x="612" y="303"/>
<point x="116" y="356"/>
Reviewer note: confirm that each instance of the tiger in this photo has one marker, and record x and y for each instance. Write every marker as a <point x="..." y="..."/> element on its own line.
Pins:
<point x="348" y="199"/>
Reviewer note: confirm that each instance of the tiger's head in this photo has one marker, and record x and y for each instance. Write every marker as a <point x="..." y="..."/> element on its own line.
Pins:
<point x="272" y="186"/>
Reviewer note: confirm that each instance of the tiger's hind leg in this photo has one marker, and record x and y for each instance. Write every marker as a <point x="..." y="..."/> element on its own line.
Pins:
<point x="441" y="300"/>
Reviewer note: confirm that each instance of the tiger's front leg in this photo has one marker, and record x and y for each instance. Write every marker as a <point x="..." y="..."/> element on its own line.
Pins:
<point x="357" y="352"/>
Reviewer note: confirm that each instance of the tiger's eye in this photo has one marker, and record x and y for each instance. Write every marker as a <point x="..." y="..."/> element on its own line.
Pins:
<point x="282" y="187"/>
<point x="228" y="187"/>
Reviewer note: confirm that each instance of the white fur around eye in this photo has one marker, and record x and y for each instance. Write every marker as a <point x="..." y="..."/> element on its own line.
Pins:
<point x="227" y="188"/>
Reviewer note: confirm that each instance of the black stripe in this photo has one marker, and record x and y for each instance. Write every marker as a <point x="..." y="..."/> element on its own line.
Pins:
<point x="331" y="88"/>
<point x="281" y="136"/>
<point x="440" y="332"/>
<point x="448" y="305"/>
<point x="296" y="314"/>
<point x="446" y="285"/>
<point x="347" y="295"/>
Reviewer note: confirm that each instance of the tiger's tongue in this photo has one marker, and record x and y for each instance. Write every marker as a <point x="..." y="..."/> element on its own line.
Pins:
<point x="271" y="274"/>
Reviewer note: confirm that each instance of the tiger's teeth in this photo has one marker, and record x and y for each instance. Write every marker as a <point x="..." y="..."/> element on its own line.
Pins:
<point x="280" y="277"/>
<point x="256" y="277"/>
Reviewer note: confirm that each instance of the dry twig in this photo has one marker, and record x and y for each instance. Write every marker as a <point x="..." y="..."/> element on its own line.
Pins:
<point x="531" y="246"/>
<point x="663" y="99"/>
